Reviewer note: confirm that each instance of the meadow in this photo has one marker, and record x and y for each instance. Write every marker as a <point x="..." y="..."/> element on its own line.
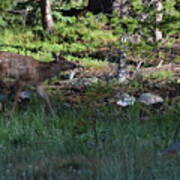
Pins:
<point x="90" y="137"/>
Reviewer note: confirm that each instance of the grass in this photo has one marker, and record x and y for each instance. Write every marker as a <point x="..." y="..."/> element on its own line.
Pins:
<point x="160" y="75"/>
<point x="89" y="62"/>
<point x="70" y="35"/>
<point x="87" y="143"/>
<point x="177" y="59"/>
<point x="91" y="140"/>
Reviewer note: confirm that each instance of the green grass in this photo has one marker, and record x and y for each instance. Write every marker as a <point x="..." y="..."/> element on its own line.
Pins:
<point x="87" y="143"/>
<point x="70" y="35"/>
<point x="177" y="59"/>
<point x="160" y="75"/>
<point x="91" y="140"/>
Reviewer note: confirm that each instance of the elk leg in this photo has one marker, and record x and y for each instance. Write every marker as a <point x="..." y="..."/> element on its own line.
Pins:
<point x="41" y="92"/>
<point x="18" y="90"/>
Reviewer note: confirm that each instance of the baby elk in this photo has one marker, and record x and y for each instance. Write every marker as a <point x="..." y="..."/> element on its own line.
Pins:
<point x="26" y="72"/>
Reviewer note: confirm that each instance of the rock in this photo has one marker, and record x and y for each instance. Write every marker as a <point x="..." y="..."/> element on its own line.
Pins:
<point x="125" y="99"/>
<point x="86" y="81"/>
<point x="149" y="99"/>
<point x="24" y="95"/>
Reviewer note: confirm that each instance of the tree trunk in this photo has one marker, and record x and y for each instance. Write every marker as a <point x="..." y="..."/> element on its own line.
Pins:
<point x="98" y="6"/>
<point x="122" y="7"/>
<point x="159" y="18"/>
<point x="47" y="20"/>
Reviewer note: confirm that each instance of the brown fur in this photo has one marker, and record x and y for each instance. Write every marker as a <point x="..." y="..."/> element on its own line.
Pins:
<point x="26" y="71"/>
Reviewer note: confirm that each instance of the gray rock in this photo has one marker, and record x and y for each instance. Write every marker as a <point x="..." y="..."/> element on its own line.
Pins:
<point x="125" y="99"/>
<point x="24" y="95"/>
<point x="87" y="81"/>
<point x="149" y="99"/>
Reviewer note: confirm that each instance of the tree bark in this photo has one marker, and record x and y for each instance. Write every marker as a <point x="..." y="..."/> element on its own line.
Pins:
<point x="122" y="7"/>
<point x="159" y="18"/>
<point x="47" y="20"/>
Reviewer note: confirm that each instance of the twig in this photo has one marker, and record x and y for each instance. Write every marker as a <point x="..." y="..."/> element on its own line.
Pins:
<point x="160" y="64"/>
<point x="137" y="69"/>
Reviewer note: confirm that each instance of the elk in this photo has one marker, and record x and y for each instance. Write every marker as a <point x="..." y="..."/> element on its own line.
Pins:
<point x="27" y="71"/>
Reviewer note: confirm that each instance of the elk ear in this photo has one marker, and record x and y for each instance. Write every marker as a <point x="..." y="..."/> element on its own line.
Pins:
<point x="55" y="56"/>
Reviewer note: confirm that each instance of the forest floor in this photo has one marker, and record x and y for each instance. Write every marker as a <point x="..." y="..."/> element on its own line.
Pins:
<point x="91" y="137"/>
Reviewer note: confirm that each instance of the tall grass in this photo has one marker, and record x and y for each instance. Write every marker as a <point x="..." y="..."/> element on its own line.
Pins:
<point x="82" y="144"/>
